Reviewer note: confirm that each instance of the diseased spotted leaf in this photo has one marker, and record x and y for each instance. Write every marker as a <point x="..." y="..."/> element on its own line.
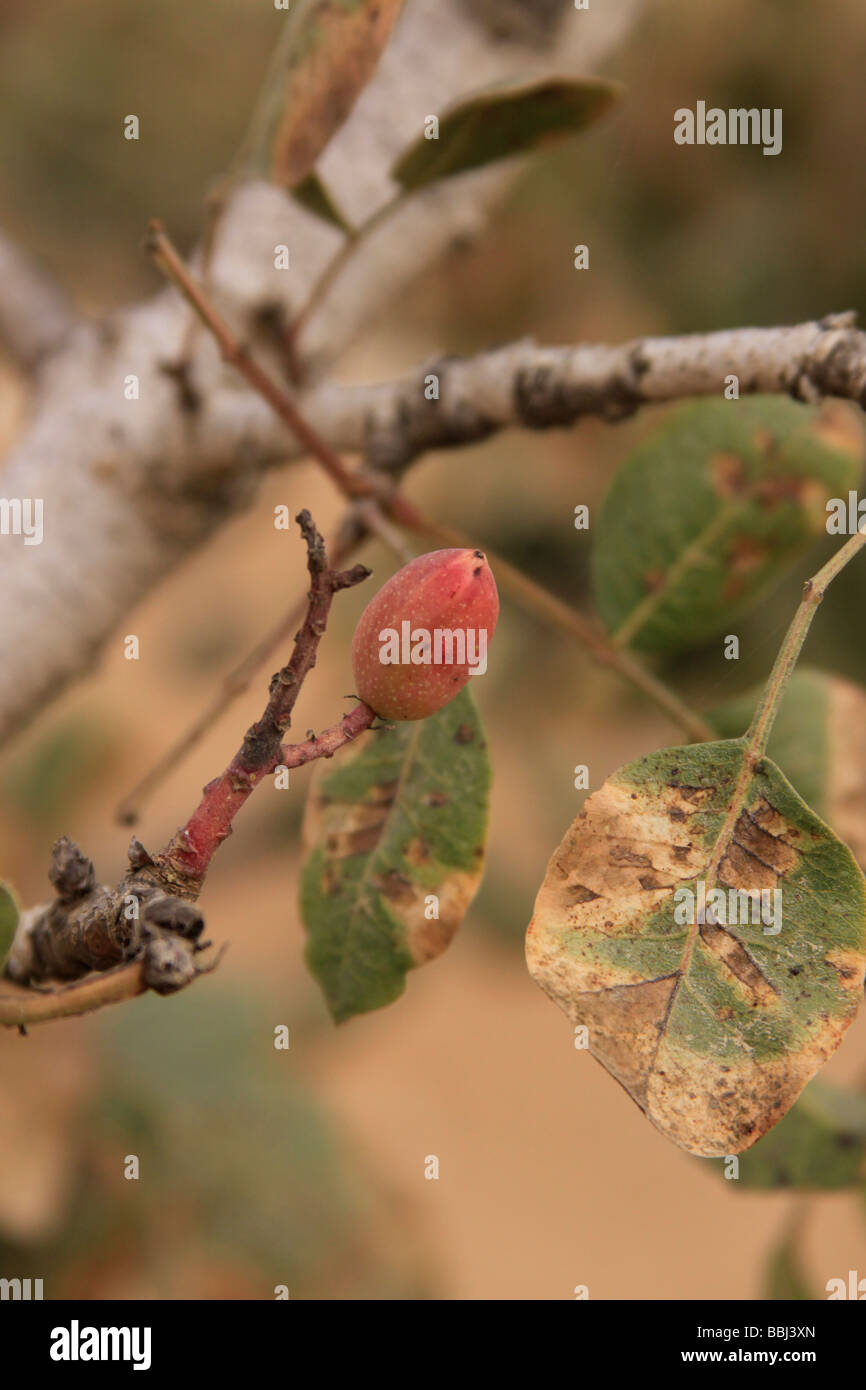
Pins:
<point x="713" y="1026"/>
<point x="820" y="1143"/>
<point x="501" y="122"/>
<point x="716" y="504"/>
<point x="395" y="834"/>
<point x="329" y="52"/>
<point x="8" y="921"/>
<point x="819" y="738"/>
<point x="784" y="1279"/>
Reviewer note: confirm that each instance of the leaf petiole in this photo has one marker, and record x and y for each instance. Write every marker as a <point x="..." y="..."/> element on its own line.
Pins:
<point x="758" y="732"/>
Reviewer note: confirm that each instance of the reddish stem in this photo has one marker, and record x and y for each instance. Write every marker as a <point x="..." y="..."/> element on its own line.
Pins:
<point x="193" y="847"/>
<point x="185" y="860"/>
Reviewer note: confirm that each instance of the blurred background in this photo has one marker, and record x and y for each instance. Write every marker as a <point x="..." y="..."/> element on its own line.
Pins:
<point x="306" y="1167"/>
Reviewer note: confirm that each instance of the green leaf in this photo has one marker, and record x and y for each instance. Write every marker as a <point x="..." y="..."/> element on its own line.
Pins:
<point x="820" y="1144"/>
<point x="328" y="53"/>
<point x="715" y="505"/>
<point x="401" y="818"/>
<point x="714" y="1028"/>
<point x="314" y="196"/>
<point x="783" y="1277"/>
<point x="502" y="122"/>
<point x="9" y="913"/>
<point x="819" y="738"/>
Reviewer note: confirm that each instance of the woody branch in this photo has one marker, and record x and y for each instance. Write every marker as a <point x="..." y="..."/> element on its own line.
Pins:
<point x="89" y="928"/>
<point x="459" y="401"/>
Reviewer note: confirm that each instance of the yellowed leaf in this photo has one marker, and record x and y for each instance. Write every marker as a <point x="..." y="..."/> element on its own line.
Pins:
<point x="712" y="1018"/>
<point x="334" y="49"/>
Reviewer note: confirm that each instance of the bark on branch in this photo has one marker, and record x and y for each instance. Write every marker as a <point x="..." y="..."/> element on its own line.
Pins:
<point x="531" y="387"/>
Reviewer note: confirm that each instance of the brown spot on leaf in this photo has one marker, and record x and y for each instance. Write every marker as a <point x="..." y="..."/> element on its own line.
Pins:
<point x="838" y="427"/>
<point x="349" y="842"/>
<point x="737" y="959"/>
<point x="782" y="487"/>
<point x="654" y="580"/>
<point x="693" y="794"/>
<point x="579" y="893"/>
<point x="621" y="854"/>
<point x="652" y="881"/>
<point x="849" y="965"/>
<point x="396" y="887"/>
<point x="744" y="558"/>
<point x="765" y="441"/>
<point x="769" y="819"/>
<point x="330" y="880"/>
<point x="728" y="474"/>
<point x="383" y="793"/>
<point x="766" y="844"/>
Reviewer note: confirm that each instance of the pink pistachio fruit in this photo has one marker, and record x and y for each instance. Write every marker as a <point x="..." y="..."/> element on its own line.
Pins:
<point x="425" y="633"/>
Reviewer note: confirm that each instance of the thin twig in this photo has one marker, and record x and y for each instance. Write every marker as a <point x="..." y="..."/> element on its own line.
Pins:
<point x="341" y="259"/>
<point x="184" y="862"/>
<point x="214" y="206"/>
<point x="373" y="518"/>
<point x="233" y="686"/>
<point x="238" y="356"/>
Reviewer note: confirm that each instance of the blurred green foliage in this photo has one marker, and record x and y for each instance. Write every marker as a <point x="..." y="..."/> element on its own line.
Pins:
<point x="78" y="191"/>
<point x="820" y="1143"/>
<point x="45" y="783"/>
<point x="244" y="1182"/>
<point x="784" y="1278"/>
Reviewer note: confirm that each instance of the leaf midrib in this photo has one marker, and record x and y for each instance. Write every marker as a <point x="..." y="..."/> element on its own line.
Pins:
<point x="647" y="607"/>
<point x="739" y="796"/>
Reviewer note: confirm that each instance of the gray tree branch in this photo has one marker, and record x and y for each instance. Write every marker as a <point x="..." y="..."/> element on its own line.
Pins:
<point x="35" y="318"/>
<point x="531" y="387"/>
<point x="130" y="487"/>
